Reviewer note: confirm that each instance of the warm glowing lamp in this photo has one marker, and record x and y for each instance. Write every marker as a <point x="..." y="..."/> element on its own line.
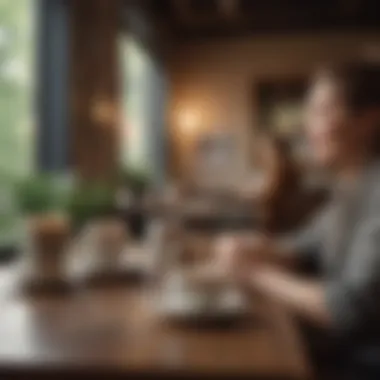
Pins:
<point x="189" y="122"/>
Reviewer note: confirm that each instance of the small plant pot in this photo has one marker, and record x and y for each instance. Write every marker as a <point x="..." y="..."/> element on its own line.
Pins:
<point x="111" y="240"/>
<point x="49" y="235"/>
<point x="102" y="243"/>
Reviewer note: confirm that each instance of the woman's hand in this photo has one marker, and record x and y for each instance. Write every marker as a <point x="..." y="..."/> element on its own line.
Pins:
<point x="235" y="256"/>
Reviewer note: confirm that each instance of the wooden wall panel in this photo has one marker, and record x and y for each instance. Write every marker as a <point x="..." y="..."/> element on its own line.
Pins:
<point x="94" y="101"/>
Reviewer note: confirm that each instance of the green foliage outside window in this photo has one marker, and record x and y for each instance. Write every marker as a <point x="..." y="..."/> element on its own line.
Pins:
<point x="17" y="116"/>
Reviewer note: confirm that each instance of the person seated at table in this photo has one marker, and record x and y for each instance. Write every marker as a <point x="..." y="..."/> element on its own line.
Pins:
<point x="342" y="124"/>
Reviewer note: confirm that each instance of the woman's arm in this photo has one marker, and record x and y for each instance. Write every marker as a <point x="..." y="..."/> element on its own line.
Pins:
<point x="238" y="254"/>
<point x="302" y="296"/>
<point x="348" y="303"/>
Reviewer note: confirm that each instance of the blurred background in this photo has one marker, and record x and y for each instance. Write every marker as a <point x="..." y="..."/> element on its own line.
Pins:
<point x="172" y="91"/>
<point x="146" y="127"/>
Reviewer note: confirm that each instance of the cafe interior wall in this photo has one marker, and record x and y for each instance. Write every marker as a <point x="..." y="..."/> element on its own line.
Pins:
<point x="212" y="82"/>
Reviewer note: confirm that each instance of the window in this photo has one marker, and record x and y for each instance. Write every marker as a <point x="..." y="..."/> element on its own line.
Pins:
<point x="17" y="115"/>
<point x="136" y="68"/>
<point x="17" y="69"/>
<point x="144" y="105"/>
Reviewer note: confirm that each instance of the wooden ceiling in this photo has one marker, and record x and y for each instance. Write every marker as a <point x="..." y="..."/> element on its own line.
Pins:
<point x="214" y="18"/>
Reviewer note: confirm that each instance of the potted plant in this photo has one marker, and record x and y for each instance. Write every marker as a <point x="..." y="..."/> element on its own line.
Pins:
<point x="42" y="200"/>
<point x="134" y="185"/>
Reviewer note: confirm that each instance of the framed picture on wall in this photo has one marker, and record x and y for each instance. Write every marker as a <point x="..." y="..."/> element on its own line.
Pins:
<point x="280" y="104"/>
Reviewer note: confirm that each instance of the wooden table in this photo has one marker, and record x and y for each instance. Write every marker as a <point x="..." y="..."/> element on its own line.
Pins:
<point x="115" y="332"/>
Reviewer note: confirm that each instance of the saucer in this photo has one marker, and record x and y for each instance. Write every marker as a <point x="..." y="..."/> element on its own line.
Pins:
<point x="181" y="301"/>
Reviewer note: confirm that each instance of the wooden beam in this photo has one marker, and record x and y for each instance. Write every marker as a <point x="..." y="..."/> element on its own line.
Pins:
<point x="94" y="109"/>
<point x="229" y="8"/>
<point x="182" y="8"/>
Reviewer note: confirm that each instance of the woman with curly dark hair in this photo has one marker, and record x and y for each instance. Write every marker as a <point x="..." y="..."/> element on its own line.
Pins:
<point x="343" y="305"/>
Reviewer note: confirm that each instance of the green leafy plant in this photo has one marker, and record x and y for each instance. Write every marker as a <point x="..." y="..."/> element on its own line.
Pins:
<point x="41" y="194"/>
<point x="89" y="201"/>
<point x="10" y="221"/>
<point x="135" y="180"/>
